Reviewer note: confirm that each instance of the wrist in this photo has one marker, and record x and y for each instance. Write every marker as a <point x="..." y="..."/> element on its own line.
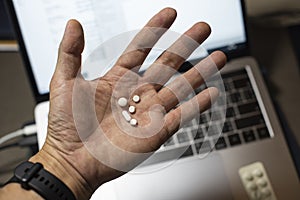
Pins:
<point x="54" y="163"/>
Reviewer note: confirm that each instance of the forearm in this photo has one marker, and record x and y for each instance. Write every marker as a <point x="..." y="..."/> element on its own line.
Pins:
<point x="15" y="191"/>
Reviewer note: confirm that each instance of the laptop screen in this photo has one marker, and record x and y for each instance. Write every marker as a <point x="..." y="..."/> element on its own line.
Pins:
<point x="41" y="24"/>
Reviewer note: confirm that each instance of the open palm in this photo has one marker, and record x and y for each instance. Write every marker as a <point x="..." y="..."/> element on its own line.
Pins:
<point x="87" y="131"/>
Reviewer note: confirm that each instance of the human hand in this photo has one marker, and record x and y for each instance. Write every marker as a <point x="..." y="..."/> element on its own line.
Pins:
<point x="65" y="151"/>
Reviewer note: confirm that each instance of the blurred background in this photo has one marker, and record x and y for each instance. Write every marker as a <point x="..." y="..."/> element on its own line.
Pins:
<point x="274" y="32"/>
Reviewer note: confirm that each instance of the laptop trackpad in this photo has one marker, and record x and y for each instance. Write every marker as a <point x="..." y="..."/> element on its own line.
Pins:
<point x="193" y="179"/>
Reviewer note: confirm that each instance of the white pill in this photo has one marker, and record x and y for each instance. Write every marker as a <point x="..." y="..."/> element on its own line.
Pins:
<point x="122" y="102"/>
<point x="133" y="122"/>
<point x="136" y="98"/>
<point x="257" y="173"/>
<point x="248" y="177"/>
<point x="131" y="109"/>
<point x="126" y="115"/>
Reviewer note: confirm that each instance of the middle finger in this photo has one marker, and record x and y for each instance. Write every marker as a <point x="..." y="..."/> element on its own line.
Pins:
<point x="171" y="59"/>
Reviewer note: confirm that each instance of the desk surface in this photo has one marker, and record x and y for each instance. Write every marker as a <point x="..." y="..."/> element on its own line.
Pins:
<point x="271" y="46"/>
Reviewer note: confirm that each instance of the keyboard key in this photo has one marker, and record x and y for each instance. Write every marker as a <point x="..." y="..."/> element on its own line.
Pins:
<point x="198" y="134"/>
<point x="230" y="112"/>
<point x="194" y="132"/>
<point x="263" y="133"/>
<point x="248" y="108"/>
<point x="241" y="83"/>
<point x="169" y="142"/>
<point x="227" y="86"/>
<point x="227" y="127"/>
<point x="188" y="152"/>
<point x="183" y="137"/>
<point x="234" y="139"/>
<point x="214" y="130"/>
<point x="203" y="147"/>
<point x="249" y="121"/>
<point x="220" y="144"/>
<point x="186" y="125"/>
<point x="249" y="94"/>
<point x="235" y="97"/>
<point x="217" y="115"/>
<point x="203" y="119"/>
<point x="249" y="136"/>
<point x="221" y="101"/>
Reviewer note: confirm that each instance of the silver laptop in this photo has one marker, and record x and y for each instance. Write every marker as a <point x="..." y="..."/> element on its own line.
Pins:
<point x="249" y="160"/>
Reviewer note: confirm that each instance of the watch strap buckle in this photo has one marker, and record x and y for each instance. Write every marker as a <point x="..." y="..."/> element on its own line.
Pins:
<point x="29" y="173"/>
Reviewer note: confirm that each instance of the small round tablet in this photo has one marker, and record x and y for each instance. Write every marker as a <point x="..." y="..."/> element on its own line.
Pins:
<point x="136" y="98"/>
<point x="122" y="102"/>
<point x="133" y="122"/>
<point x="131" y="109"/>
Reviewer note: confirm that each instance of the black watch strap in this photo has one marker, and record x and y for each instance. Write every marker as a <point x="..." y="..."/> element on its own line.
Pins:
<point x="34" y="176"/>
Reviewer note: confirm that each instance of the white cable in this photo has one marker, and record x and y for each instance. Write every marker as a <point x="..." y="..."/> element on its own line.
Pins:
<point x="11" y="136"/>
<point x="30" y="129"/>
<point x="27" y="130"/>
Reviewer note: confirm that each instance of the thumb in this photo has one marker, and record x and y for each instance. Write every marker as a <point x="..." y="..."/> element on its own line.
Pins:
<point x="70" y="49"/>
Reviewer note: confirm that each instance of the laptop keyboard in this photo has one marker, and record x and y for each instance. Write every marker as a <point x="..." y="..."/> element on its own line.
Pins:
<point x="244" y="122"/>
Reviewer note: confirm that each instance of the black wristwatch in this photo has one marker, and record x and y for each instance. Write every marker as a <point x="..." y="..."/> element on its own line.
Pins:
<point x="34" y="176"/>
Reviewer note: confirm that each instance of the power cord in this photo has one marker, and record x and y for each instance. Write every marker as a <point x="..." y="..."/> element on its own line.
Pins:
<point x="27" y="130"/>
<point x="25" y="142"/>
<point x="27" y="136"/>
<point x="29" y="139"/>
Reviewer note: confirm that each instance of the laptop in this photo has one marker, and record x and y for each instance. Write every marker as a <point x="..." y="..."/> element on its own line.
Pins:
<point x="248" y="160"/>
